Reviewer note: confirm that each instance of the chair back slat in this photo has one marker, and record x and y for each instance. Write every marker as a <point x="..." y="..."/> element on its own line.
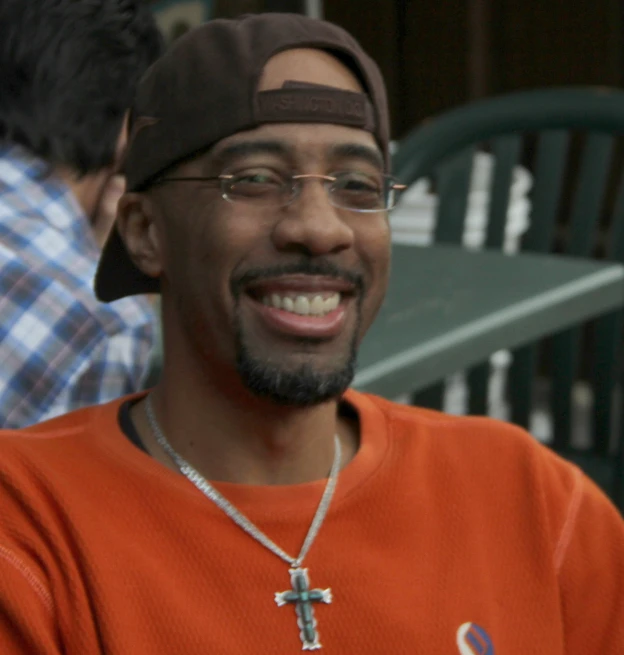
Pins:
<point x="615" y="245"/>
<point x="452" y="178"/>
<point x="585" y="214"/>
<point x="550" y="160"/>
<point x="548" y="173"/>
<point x="589" y="195"/>
<point x="520" y="387"/>
<point x="607" y="352"/>
<point x="564" y="368"/>
<point x="506" y="151"/>
<point x="432" y="397"/>
<point x="605" y="366"/>
<point x="478" y="384"/>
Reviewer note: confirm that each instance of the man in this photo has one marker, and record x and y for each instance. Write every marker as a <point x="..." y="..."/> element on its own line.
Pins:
<point x="69" y="71"/>
<point x="251" y="503"/>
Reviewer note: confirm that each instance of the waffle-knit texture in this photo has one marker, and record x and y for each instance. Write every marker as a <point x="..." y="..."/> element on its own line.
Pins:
<point x="436" y="523"/>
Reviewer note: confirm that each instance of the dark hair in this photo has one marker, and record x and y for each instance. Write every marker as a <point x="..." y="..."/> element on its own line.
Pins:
<point x="68" y="73"/>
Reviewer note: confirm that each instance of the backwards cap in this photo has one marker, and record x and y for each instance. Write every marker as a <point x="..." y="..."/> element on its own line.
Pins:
<point x="205" y="88"/>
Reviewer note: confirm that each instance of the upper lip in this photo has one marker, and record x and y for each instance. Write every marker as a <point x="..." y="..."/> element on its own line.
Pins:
<point x="301" y="284"/>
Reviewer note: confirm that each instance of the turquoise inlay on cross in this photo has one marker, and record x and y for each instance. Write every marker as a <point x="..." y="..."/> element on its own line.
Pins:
<point x="302" y="597"/>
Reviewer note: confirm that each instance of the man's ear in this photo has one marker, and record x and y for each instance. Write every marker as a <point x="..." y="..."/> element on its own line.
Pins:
<point x="140" y="233"/>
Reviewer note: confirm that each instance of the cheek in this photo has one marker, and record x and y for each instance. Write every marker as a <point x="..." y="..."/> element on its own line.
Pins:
<point x="373" y="244"/>
<point x="191" y="235"/>
<point x="208" y="245"/>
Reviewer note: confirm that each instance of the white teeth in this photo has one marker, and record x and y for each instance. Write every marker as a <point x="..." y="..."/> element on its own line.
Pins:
<point x="303" y="305"/>
<point x="317" y="306"/>
<point x="329" y="304"/>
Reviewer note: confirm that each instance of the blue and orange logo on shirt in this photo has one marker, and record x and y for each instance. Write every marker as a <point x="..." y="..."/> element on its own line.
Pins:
<point x="474" y="640"/>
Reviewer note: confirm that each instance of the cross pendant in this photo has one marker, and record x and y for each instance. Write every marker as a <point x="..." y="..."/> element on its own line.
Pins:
<point x="302" y="597"/>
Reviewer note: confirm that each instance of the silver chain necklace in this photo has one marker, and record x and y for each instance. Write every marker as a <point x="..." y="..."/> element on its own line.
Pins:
<point x="301" y="596"/>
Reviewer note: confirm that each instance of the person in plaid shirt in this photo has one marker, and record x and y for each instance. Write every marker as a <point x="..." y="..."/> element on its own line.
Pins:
<point x="69" y="72"/>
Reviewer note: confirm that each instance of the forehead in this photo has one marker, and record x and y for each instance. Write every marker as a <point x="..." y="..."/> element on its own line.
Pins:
<point x="307" y="65"/>
<point x="302" y="143"/>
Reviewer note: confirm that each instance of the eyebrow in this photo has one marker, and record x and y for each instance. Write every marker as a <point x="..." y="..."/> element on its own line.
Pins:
<point x="280" y="148"/>
<point x="246" y="148"/>
<point x="358" y="151"/>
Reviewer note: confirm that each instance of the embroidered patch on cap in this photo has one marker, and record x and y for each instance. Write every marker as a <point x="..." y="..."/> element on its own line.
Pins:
<point x="315" y="103"/>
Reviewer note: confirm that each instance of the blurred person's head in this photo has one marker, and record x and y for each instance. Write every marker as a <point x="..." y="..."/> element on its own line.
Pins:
<point x="69" y="72"/>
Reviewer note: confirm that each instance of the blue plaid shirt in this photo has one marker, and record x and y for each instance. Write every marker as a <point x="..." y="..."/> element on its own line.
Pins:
<point x="60" y="348"/>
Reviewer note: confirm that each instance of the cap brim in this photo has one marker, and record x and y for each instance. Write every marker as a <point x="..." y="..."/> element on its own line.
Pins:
<point x="117" y="276"/>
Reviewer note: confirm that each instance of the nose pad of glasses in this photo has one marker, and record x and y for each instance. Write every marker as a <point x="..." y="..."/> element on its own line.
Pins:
<point x="293" y="193"/>
<point x="299" y="180"/>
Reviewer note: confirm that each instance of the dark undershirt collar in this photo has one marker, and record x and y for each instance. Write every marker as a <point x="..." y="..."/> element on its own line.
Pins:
<point x="128" y="428"/>
<point x="127" y="425"/>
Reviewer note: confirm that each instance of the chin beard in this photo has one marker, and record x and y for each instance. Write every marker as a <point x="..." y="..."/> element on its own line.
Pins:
<point x="302" y="386"/>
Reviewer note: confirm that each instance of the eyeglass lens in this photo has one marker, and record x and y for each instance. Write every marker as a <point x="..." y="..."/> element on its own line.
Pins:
<point x="350" y="190"/>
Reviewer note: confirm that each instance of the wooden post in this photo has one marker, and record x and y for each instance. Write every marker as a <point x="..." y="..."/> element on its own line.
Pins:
<point x="234" y="8"/>
<point x="314" y="8"/>
<point x="289" y="6"/>
<point x="479" y="48"/>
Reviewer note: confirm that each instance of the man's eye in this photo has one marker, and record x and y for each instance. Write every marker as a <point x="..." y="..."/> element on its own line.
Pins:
<point x="357" y="183"/>
<point x="358" y="191"/>
<point x="251" y="183"/>
<point x="257" y="178"/>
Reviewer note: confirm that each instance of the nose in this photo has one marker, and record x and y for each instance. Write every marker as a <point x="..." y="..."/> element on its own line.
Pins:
<point x="310" y="224"/>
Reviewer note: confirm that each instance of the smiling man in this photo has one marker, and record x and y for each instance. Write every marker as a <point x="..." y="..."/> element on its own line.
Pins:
<point x="251" y="502"/>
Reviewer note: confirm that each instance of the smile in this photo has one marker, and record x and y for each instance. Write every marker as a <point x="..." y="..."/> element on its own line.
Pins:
<point x="312" y="304"/>
<point x="313" y="307"/>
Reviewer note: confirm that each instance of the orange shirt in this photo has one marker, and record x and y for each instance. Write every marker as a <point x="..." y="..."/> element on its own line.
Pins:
<point x="446" y="536"/>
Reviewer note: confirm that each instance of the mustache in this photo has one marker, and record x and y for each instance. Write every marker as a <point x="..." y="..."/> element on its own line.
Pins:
<point x="322" y="268"/>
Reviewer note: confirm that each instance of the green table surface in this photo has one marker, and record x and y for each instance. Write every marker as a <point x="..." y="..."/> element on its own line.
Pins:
<point x="448" y="308"/>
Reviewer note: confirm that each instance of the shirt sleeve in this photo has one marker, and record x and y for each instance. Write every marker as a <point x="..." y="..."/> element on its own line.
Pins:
<point x="590" y="562"/>
<point x="61" y="349"/>
<point x="116" y="366"/>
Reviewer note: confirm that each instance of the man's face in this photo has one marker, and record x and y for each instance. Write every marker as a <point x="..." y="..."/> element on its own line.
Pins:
<point x="283" y="295"/>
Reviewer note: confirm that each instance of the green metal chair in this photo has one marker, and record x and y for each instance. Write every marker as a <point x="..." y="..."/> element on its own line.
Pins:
<point x="571" y="141"/>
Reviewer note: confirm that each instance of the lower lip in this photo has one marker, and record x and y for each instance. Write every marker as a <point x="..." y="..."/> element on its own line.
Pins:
<point x="317" y="327"/>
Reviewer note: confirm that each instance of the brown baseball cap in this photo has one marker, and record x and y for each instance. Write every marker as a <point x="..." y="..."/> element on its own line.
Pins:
<point x="205" y="88"/>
